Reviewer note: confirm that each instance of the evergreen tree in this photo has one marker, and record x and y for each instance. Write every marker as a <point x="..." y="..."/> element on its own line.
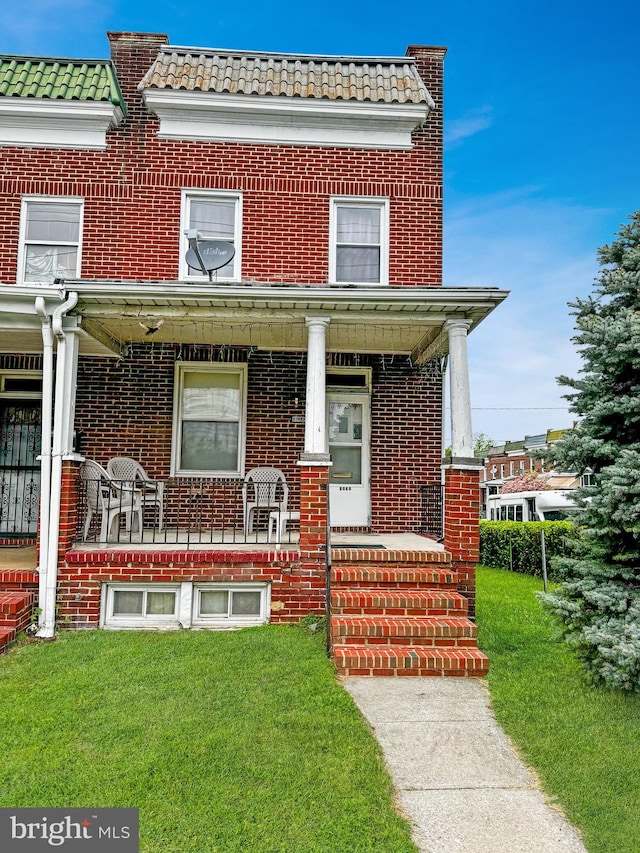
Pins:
<point x="598" y="602"/>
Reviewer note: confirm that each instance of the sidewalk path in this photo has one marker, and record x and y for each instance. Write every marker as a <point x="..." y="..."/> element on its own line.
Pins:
<point x="456" y="774"/>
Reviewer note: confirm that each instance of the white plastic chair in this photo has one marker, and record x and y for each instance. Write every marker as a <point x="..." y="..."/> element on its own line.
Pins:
<point x="128" y="470"/>
<point x="263" y="488"/>
<point x="101" y="495"/>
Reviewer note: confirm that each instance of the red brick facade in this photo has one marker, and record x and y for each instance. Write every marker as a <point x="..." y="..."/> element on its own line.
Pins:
<point x="132" y="194"/>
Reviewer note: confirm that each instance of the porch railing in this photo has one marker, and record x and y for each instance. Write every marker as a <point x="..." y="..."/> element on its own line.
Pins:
<point x="190" y="511"/>
<point x="432" y="510"/>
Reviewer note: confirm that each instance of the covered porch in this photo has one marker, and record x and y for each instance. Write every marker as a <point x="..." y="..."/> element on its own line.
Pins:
<point x="121" y="350"/>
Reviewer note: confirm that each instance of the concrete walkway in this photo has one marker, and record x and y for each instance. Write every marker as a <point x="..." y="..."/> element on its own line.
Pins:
<point x="456" y="774"/>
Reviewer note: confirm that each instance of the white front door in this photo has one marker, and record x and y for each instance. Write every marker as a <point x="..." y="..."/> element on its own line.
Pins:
<point x="348" y="431"/>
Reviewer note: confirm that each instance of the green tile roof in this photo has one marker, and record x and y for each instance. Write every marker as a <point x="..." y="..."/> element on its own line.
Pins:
<point x="59" y="79"/>
<point x="555" y="434"/>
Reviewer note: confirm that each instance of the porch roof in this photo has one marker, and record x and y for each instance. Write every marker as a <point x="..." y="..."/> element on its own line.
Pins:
<point x="402" y="320"/>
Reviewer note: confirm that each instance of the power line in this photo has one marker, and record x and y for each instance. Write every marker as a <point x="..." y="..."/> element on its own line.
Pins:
<point x="519" y="408"/>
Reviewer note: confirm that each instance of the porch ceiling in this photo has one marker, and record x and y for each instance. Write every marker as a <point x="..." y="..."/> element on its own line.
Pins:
<point x="21" y="327"/>
<point x="404" y="320"/>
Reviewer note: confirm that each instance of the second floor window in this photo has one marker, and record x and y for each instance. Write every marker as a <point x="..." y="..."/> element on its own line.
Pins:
<point x="216" y="216"/>
<point x="51" y="232"/>
<point x="359" y="241"/>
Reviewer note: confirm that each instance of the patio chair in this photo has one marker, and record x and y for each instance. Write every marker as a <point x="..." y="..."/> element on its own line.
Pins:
<point x="151" y="491"/>
<point x="103" y="496"/>
<point x="263" y="488"/>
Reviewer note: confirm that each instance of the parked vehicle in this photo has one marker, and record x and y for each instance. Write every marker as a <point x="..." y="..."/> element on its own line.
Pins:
<point x="551" y="505"/>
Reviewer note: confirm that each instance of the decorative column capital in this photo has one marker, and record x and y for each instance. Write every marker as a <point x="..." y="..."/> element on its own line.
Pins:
<point x="457" y="325"/>
<point x="317" y="321"/>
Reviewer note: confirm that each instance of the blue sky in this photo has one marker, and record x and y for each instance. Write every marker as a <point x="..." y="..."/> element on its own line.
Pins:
<point x="542" y="160"/>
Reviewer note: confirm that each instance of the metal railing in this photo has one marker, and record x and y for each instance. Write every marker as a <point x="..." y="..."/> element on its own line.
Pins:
<point x="191" y="511"/>
<point x="432" y="510"/>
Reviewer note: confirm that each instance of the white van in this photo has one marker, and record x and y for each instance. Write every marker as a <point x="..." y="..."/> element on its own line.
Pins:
<point x="552" y="505"/>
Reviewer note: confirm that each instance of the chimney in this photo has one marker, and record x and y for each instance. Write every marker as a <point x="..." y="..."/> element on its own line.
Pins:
<point x="132" y="55"/>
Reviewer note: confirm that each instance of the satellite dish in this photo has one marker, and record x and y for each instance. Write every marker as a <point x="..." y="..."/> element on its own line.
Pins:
<point x="209" y="255"/>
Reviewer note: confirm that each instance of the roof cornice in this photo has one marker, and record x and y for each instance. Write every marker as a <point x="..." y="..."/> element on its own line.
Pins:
<point x="47" y="123"/>
<point x="282" y="120"/>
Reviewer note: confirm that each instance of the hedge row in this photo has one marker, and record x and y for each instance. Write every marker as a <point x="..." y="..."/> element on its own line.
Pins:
<point x="517" y="545"/>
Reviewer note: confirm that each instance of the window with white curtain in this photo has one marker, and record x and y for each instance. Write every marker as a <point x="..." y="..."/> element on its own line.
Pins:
<point x="359" y="241"/>
<point x="209" y="419"/>
<point x="50" y="239"/>
<point x="216" y="216"/>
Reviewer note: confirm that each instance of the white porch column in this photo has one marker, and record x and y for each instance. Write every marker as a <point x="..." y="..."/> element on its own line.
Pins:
<point x="461" y="429"/>
<point x="315" y="439"/>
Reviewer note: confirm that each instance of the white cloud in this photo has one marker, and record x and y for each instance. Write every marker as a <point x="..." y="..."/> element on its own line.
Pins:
<point x="472" y="122"/>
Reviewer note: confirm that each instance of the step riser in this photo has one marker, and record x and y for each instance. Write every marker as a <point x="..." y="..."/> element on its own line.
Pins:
<point x="422" y="642"/>
<point x="410" y="598"/>
<point x="369" y="662"/>
<point x="383" y="577"/>
<point x="436" y="673"/>
<point x="397" y="611"/>
<point x="7" y="636"/>
<point x="17" y="622"/>
<point x="16" y="609"/>
<point x="422" y="632"/>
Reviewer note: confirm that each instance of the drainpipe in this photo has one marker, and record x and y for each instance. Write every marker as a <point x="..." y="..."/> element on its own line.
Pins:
<point x="48" y="587"/>
<point x="45" y="452"/>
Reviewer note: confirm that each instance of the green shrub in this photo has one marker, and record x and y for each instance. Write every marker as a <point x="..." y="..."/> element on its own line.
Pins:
<point x="517" y="545"/>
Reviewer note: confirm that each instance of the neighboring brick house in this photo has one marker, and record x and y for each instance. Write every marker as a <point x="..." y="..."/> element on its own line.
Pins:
<point x="319" y="349"/>
<point x="514" y="458"/>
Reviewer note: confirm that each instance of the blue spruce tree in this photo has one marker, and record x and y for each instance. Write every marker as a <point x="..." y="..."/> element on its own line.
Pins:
<point x="598" y="602"/>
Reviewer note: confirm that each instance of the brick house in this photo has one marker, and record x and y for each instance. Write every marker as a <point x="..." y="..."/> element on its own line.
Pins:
<point x="216" y="262"/>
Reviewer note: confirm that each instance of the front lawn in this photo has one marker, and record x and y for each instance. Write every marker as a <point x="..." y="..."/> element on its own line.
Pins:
<point x="584" y="742"/>
<point x="233" y="741"/>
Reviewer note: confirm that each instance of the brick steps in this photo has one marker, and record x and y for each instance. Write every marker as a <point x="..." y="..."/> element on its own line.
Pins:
<point x="18" y="593"/>
<point x="404" y="602"/>
<point x="453" y="631"/>
<point x="403" y="619"/>
<point x="408" y="660"/>
<point x="410" y="575"/>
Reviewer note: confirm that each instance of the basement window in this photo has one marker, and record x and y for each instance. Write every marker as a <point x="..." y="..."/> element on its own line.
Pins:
<point x="148" y="606"/>
<point x="184" y="605"/>
<point x="232" y="605"/>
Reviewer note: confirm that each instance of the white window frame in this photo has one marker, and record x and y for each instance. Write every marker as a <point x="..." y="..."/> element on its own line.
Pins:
<point x="22" y="246"/>
<point x="181" y="369"/>
<point x="378" y="203"/>
<point x="229" y="620"/>
<point x="186" y="611"/>
<point x="185" y="210"/>
<point x="155" y="620"/>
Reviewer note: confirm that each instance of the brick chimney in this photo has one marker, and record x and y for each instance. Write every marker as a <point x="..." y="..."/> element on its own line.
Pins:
<point x="132" y="55"/>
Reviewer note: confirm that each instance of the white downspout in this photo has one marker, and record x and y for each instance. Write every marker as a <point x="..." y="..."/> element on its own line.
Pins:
<point x="45" y="452"/>
<point x="48" y="603"/>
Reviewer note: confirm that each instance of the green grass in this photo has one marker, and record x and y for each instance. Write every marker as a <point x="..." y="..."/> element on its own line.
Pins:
<point x="233" y="741"/>
<point x="584" y="742"/>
